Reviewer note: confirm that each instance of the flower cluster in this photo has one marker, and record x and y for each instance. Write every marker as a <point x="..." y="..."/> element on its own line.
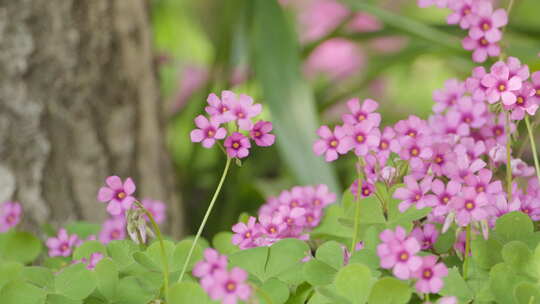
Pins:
<point x="290" y="215"/>
<point x="237" y="113"/>
<point x="399" y="253"/>
<point x="221" y="284"/>
<point x="483" y="22"/>
<point x="10" y="215"/>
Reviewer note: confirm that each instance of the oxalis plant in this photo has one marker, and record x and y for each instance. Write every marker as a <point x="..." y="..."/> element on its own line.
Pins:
<point x="443" y="210"/>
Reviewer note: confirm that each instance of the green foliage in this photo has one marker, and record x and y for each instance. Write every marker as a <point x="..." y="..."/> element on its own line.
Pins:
<point x="75" y="282"/>
<point x="390" y="291"/>
<point x="187" y="293"/>
<point x="19" y="246"/>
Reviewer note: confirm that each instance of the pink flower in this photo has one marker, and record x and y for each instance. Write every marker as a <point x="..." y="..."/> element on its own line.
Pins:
<point x="411" y="127"/>
<point x="208" y="131"/>
<point x="444" y="195"/>
<point x="331" y="143"/>
<point x="219" y="109"/>
<point x="481" y="182"/>
<point x="213" y="261"/>
<point x="442" y="156"/>
<point x="498" y="154"/>
<point x="319" y="18"/>
<point x="362" y="111"/>
<point x="463" y="167"/>
<point x="272" y="226"/>
<point x="447" y="97"/>
<point x="398" y="251"/>
<point x="237" y="145"/>
<point x="319" y="196"/>
<point x="414" y="194"/>
<point x="517" y="69"/>
<point x="487" y="23"/>
<point x="500" y="85"/>
<point x="525" y="102"/>
<point x="520" y="168"/>
<point x="113" y="229"/>
<point x="535" y="78"/>
<point x="366" y="189"/>
<point x="482" y="48"/>
<point x="363" y="136"/>
<point x="156" y="208"/>
<point x="470" y="206"/>
<point x="243" y="110"/>
<point x="337" y="58"/>
<point x="260" y="133"/>
<point x="245" y="233"/>
<point x="388" y="143"/>
<point x="10" y="215"/>
<point x="474" y="84"/>
<point x="293" y="217"/>
<point x="468" y="146"/>
<point x="193" y="78"/>
<point x="462" y="13"/>
<point x="472" y="113"/>
<point x="530" y="205"/>
<point x="416" y="149"/>
<point x="430" y="275"/>
<point x="117" y="194"/>
<point x="426" y="236"/>
<point x="227" y="286"/>
<point x="63" y="244"/>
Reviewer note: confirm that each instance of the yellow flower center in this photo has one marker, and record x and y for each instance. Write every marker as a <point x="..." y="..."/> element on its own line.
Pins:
<point x="333" y="143"/>
<point x="235" y="145"/>
<point x="230" y="286"/>
<point x="501" y="87"/>
<point x="121" y="195"/>
<point x="360" y="138"/>
<point x="469" y="205"/>
<point x="415" y="151"/>
<point x="520" y="100"/>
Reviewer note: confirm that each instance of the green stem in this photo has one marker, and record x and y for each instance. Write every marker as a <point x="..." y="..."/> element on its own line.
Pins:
<point x="467" y="251"/>
<point x="356" y="221"/>
<point x="206" y="215"/>
<point x="508" y="157"/>
<point x="356" y="213"/>
<point x="163" y="251"/>
<point x="533" y="147"/>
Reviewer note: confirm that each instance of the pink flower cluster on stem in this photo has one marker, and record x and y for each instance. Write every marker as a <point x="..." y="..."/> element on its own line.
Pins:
<point x="237" y="114"/>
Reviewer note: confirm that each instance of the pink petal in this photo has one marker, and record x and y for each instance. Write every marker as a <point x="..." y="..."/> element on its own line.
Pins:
<point x="129" y="186"/>
<point x="197" y="135"/>
<point x="114" y="182"/>
<point x="499" y="18"/>
<point x="201" y="122"/>
<point x="105" y="194"/>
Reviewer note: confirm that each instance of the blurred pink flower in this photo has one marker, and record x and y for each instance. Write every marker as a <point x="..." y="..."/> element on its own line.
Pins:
<point x="337" y="57"/>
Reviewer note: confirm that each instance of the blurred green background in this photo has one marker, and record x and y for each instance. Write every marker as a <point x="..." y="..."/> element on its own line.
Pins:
<point x="302" y="59"/>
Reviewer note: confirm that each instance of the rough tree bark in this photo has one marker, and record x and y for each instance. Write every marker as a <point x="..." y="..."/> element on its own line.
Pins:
<point x="79" y="101"/>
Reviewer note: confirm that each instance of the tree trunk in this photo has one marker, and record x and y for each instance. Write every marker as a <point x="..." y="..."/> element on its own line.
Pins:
<point x="79" y="101"/>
